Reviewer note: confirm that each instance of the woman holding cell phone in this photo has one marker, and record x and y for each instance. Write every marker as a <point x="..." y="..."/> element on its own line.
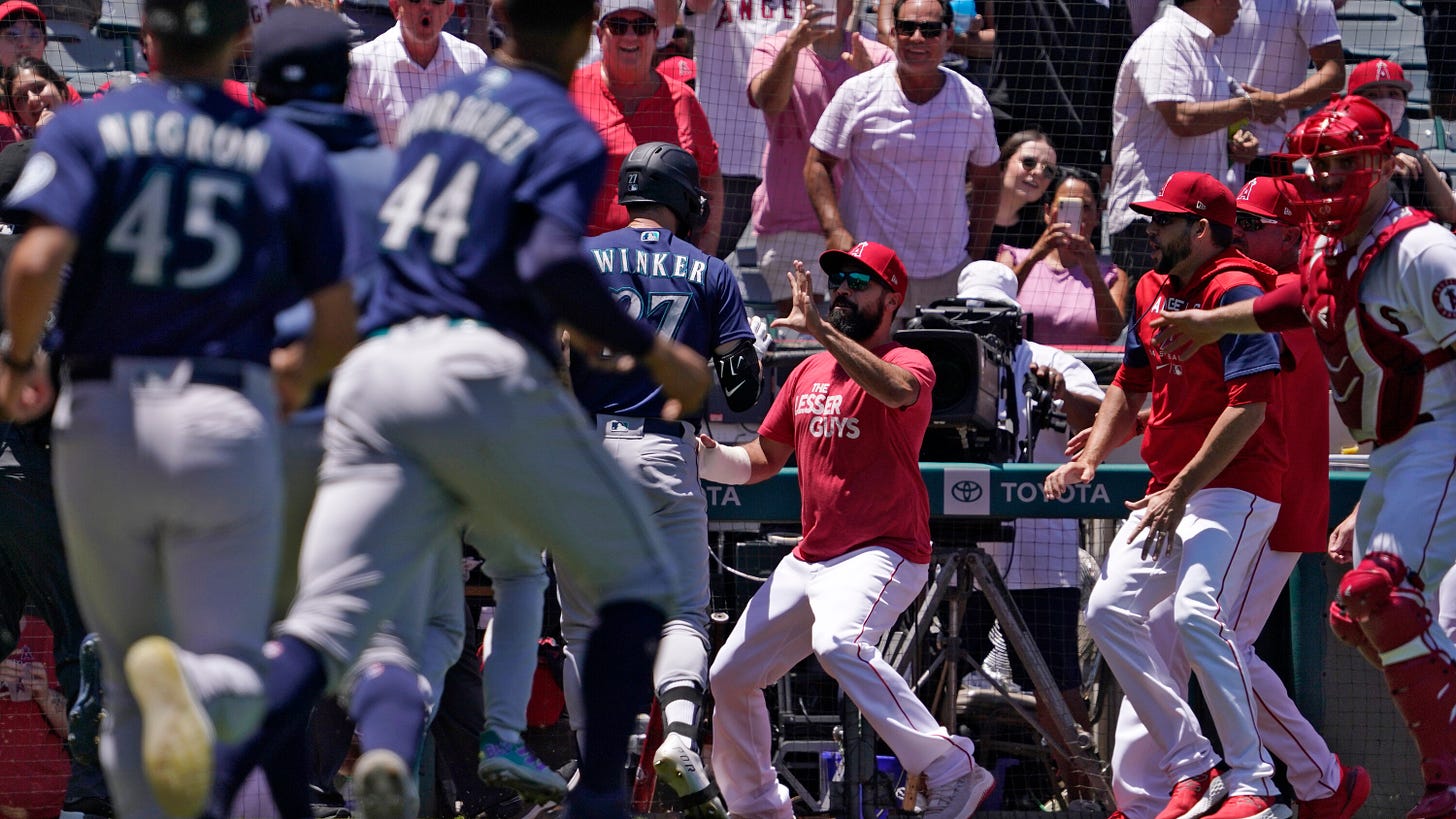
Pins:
<point x="1075" y="297"/>
<point x="1028" y="166"/>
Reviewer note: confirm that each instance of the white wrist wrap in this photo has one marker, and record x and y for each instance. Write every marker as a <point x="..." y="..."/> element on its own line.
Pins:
<point x="724" y="464"/>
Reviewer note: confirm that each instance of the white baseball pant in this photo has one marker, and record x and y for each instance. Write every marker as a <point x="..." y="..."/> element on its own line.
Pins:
<point x="837" y="611"/>
<point x="1139" y="783"/>
<point x="169" y="496"/>
<point x="666" y="469"/>
<point x="1205" y="575"/>
<point x="436" y="425"/>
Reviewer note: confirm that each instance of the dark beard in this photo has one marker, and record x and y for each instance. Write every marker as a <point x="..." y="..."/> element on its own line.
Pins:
<point x="847" y="319"/>
<point x="1168" y="260"/>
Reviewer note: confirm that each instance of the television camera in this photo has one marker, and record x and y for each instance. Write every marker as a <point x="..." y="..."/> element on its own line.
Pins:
<point x="986" y="407"/>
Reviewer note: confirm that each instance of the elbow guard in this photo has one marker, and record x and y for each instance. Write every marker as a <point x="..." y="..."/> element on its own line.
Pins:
<point x="740" y="376"/>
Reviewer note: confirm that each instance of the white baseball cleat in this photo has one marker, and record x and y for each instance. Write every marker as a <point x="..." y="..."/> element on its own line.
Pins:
<point x="680" y="768"/>
<point x="177" y="735"/>
<point x="384" y="787"/>
<point x="961" y="797"/>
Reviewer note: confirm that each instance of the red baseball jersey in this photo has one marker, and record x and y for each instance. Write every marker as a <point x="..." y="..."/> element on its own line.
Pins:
<point x="1190" y="394"/>
<point x="859" y="467"/>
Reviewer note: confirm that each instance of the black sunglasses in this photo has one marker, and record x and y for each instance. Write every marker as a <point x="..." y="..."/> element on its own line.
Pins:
<point x="641" y="26"/>
<point x="929" y="30"/>
<point x="436" y="2"/>
<point x="1029" y="163"/>
<point x="858" y="280"/>
<point x="1165" y="219"/>
<point x="1249" y="223"/>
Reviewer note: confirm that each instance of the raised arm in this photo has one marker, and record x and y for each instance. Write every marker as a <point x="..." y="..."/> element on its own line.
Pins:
<point x="819" y="183"/>
<point x="888" y="383"/>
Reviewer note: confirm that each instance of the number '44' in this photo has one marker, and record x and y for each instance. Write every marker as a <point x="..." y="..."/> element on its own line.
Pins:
<point x="409" y="207"/>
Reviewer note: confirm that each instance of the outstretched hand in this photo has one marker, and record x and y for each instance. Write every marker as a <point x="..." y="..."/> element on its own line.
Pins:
<point x="857" y="56"/>
<point x="804" y="315"/>
<point x="1182" y="332"/>
<point x="1068" y="474"/>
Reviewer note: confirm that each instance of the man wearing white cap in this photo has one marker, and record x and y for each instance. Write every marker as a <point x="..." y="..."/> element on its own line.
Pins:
<point x="1041" y="566"/>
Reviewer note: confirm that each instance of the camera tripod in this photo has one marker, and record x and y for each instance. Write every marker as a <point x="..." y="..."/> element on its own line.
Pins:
<point x="953" y="570"/>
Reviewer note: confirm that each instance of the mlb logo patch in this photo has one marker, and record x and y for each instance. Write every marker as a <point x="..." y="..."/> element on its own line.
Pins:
<point x="633" y="180"/>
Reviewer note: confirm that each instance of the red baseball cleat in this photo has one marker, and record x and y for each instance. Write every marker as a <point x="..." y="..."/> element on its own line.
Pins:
<point x="1353" y="790"/>
<point x="1195" y="796"/>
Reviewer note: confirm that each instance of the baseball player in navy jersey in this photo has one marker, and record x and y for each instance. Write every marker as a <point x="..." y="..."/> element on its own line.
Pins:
<point x="1376" y="286"/>
<point x="854" y="417"/>
<point x="1217" y="456"/>
<point x="450" y="413"/>
<point x="189" y="222"/>
<point x="301" y="56"/>
<point x="1269" y="230"/>
<point x="655" y="272"/>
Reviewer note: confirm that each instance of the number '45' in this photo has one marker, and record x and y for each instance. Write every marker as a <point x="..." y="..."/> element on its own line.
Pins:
<point x="408" y="207"/>
<point x="143" y="232"/>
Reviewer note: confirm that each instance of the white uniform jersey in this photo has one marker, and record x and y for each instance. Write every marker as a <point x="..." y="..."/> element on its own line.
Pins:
<point x="1410" y="290"/>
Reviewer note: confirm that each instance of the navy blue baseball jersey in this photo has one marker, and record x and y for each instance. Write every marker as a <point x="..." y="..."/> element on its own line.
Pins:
<point x="362" y="168"/>
<point x="197" y="220"/>
<point x="501" y="149"/>
<point x="686" y="294"/>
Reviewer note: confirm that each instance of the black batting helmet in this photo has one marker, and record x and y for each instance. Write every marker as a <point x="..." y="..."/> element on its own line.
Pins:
<point x="664" y="174"/>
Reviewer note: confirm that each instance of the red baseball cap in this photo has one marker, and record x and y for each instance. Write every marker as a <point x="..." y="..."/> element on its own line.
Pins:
<point x="21" y="7"/>
<point x="682" y="69"/>
<point x="1270" y="198"/>
<point x="878" y="259"/>
<point x="1378" y="72"/>
<point x="1190" y="193"/>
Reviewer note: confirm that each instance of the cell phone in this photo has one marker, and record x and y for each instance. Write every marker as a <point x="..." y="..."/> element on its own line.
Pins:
<point x="965" y="14"/>
<point x="823" y="19"/>
<point x="1069" y="210"/>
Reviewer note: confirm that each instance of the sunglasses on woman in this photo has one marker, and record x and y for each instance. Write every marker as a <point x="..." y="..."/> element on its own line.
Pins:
<point x="1029" y="163"/>
<point x="641" y="26"/>
<point x="857" y="280"/>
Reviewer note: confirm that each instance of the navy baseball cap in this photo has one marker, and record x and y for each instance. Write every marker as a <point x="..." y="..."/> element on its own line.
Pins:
<point x="195" y="20"/>
<point x="302" y="53"/>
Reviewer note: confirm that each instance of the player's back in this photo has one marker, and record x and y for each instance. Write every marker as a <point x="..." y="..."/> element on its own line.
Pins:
<point x="196" y="219"/>
<point x="480" y="162"/>
<point x="688" y="295"/>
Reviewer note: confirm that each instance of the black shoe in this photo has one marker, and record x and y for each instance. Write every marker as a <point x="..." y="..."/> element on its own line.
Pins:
<point x="327" y="804"/>
<point x="84" y="736"/>
<point x="88" y="806"/>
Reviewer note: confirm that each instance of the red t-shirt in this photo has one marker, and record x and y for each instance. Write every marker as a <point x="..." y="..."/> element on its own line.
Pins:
<point x="1190" y="394"/>
<point x="1304" y="516"/>
<point x="34" y="766"/>
<point x="672" y="114"/>
<point x="859" y="469"/>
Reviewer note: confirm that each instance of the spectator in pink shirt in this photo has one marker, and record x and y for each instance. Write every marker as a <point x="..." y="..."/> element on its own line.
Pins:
<point x="1076" y="298"/>
<point x="792" y="77"/>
